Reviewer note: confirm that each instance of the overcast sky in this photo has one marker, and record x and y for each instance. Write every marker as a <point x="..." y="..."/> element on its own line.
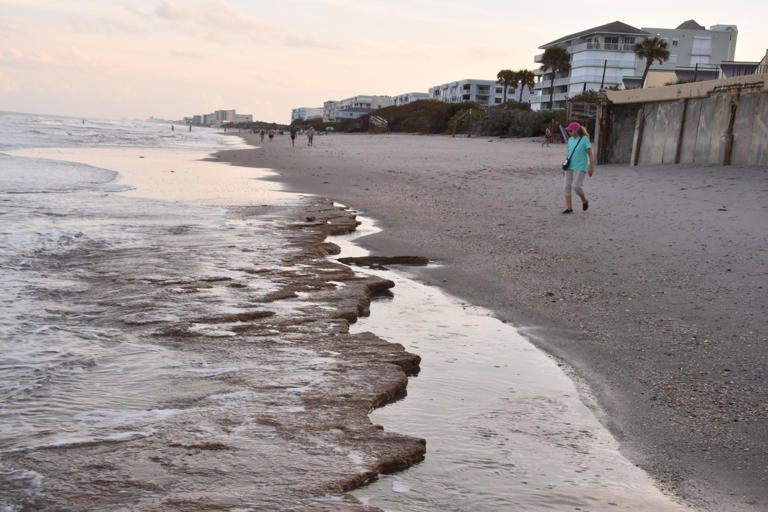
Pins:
<point x="173" y="58"/>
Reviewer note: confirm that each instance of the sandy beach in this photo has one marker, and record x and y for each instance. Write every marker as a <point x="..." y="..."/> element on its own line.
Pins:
<point x="653" y="300"/>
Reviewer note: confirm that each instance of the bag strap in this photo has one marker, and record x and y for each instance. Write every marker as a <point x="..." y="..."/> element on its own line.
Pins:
<point x="574" y="147"/>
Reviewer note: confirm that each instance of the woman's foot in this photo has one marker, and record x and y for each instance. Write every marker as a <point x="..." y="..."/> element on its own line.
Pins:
<point x="567" y="210"/>
<point x="585" y="205"/>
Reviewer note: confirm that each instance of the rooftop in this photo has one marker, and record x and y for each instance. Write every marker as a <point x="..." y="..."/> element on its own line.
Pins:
<point x="616" y="27"/>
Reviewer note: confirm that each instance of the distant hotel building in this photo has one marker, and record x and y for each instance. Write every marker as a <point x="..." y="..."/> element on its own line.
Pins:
<point x="485" y="92"/>
<point x="354" y="107"/>
<point x="409" y="97"/>
<point x="306" y="113"/>
<point x="604" y="57"/>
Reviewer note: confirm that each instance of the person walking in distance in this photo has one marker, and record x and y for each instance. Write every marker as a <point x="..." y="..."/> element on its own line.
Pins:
<point x="261" y="134"/>
<point x="294" y="130"/>
<point x="547" y="136"/>
<point x="310" y="136"/>
<point x="579" y="163"/>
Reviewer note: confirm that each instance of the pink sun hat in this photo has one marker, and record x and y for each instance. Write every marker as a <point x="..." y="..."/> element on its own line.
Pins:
<point x="573" y="126"/>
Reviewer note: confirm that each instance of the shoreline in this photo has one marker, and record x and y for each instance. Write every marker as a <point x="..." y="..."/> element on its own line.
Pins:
<point x="636" y="263"/>
<point x="297" y="432"/>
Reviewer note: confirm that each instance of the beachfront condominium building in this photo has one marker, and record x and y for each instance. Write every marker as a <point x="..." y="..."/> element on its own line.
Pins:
<point x="484" y="92"/>
<point x="224" y="116"/>
<point x="329" y="111"/>
<point x="409" y="97"/>
<point x="604" y="56"/>
<point x="356" y="106"/>
<point x="600" y="57"/>
<point x="306" y="113"/>
<point x="369" y="102"/>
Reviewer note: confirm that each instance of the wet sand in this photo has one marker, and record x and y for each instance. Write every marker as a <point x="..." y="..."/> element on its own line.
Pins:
<point x="654" y="298"/>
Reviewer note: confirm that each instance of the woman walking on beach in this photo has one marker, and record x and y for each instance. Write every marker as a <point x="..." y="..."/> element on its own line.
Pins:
<point x="580" y="162"/>
<point x="310" y="135"/>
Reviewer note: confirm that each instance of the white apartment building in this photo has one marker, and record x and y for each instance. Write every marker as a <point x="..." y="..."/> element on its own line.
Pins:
<point x="355" y="106"/>
<point x="485" y="92"/>
<point x="369" y="102"/>
<point x="306" y="113"/>
<point x="409" y="97"/>
<point x="600" y="57"/>
<point x="604" y="56"/>
<point x="329" y="111"/>
<point x="224" y="116"/>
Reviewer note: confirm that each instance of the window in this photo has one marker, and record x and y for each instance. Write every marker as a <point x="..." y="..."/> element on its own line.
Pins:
<point x="611" y="43"/>
<point x="498" y="100"/>
<point x="499" y="90"/>
<point x="675" y="42"/>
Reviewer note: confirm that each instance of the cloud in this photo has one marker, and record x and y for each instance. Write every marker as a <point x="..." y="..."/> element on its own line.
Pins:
<point x="173" y="10"/>
<point x="309" y="42"/>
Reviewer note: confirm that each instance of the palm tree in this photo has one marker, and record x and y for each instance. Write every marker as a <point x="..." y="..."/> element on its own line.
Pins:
<point x="506" y="77"/>
<point x="650" y="49"/>
<point x="526" y="77"/>
<point x="557" y="59"/>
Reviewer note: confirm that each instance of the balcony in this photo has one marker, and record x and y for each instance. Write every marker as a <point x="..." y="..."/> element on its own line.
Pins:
<point x="616" y="47"/>
<point x="543" y="84"/>
<point x="537" y="58"/>
<point x="562" y="81"/>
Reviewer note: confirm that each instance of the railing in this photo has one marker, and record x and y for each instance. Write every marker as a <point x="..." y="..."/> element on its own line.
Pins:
<point x="623" y="47"/>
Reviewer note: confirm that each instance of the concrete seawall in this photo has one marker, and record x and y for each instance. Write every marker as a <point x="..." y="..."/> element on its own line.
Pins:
<point x="719" y="122"/>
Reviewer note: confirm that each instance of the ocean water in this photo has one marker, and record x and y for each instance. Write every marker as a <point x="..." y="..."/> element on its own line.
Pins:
<point x="100" y="281"/>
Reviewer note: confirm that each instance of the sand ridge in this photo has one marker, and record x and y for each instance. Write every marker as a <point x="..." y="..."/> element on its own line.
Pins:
<point x="654" y="297"/>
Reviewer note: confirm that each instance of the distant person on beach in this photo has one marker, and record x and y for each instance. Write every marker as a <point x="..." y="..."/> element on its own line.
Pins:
<point x="271" y="134"/>
<point x="547" y="136"/>
<point x="294" y="130"/>
<point x="580" y="163"/>
<point x="310" y="135"/>
<point x="261" y="134"/>
<point x="172" y="128"/>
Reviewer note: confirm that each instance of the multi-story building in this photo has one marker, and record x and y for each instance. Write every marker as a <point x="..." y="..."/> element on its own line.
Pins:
<point x="329" y="111"/>
<point x="600" y="57"/>
<point x="224" y="116"/>
<point x="485" y="92"/>
<point x="243" y="118"/>
<point x="692" y="45"/>
<point x="363" y="101"/>
<point x="409" y="97"/>
<point x="209" y="119"/>
<point x="354" y="107"/>
<point x="604" y="57"/>
<point x="306" y="113"/>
